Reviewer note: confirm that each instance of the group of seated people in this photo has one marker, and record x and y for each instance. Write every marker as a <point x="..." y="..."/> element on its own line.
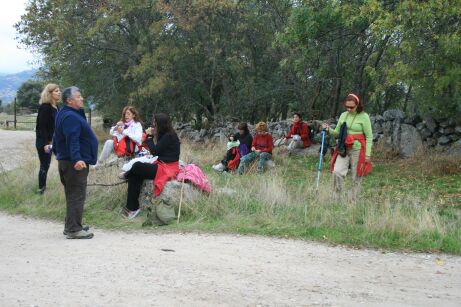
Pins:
<point x="243" y="148"/>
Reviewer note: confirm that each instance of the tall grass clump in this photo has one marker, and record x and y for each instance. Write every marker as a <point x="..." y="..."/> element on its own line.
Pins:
<point x="411" y="204"/>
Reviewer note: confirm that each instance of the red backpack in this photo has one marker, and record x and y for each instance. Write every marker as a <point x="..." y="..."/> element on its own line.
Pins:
<point x="125" y="147"/>
<point x="234" y="163"/>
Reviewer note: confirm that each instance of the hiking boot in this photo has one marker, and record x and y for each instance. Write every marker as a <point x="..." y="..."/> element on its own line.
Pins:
<point x="82" y="234"/>
<point x="84" y="227"/>
<point x="219" y="167"/>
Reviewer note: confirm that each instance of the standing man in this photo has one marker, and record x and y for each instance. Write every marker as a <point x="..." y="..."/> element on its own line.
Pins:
<point x="76" y="147"/>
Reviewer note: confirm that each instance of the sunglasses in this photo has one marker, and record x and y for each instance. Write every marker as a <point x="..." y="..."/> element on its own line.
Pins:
<point x="350" y="108"/>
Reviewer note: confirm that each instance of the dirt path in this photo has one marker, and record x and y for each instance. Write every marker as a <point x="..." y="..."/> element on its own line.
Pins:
<point x="38" y="267"/>
<point x="14" y="146"/>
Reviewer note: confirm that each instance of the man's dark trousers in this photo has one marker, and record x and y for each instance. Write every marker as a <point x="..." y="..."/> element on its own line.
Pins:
<point x="74" y="183"/>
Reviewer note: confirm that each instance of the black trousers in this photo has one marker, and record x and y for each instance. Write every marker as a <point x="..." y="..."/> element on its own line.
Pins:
<point x="136" y="176"/>
<point x="74" y="183"/>
<point x="45" y="161"/>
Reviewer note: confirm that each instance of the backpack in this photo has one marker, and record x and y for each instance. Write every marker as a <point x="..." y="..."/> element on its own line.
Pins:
<point x="125" y="147"/>
<point x="234" y="163"/>
<point x="193" y="174"/>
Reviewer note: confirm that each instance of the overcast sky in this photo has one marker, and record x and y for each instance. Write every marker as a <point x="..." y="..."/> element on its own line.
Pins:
<point x="12" y="59"/>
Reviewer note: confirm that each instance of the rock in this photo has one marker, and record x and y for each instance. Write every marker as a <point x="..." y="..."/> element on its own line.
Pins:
<point x="454" y="137"/>
<point x="377" y="128"/>
<point x="445" y="124"/>
<point x="443" y="140"/>
<point x="425" y="133"/>
<point x="161" y="210"/>
<point x="412" y="120"/>
<point x="394" y="114"/>
<point x="202" y="133"/>
<point x="312" y="151"/>
<point x="430" y="124"/>
<point x="455" y="149"/>
<point x="420" y="126"/>
<point x="458" y="130"/>
<point x="446" y="130"/>
<point x="410" y="140"/>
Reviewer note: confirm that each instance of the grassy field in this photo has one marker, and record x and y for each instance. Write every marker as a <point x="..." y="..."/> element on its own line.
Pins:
<point x="410" y="204"/>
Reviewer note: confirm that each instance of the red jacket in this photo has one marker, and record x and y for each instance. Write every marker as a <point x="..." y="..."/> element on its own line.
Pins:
<point x="302" y="129"/>
<point x="263" y="142"/>
<point x="363" y="167"/>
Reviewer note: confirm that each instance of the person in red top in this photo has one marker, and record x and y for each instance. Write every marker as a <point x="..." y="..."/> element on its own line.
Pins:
<point x="261" y="148"/>
<point x="298" y="136"/>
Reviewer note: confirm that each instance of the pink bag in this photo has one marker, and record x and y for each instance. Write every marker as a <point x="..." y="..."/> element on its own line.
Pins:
<point x="195" y="175"/>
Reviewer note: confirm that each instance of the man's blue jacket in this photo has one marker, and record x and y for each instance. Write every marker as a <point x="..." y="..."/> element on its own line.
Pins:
<point x="73" y="138"/>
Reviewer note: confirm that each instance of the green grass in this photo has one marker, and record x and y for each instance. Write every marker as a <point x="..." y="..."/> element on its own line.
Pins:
<point x="405" y="204"/>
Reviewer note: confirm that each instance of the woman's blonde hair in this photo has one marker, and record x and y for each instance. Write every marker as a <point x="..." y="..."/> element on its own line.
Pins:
<point x="261" y="127"/>
<point x="46" y="97"/>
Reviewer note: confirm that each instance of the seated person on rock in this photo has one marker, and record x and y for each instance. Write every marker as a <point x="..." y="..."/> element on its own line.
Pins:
<point x="298" y="136"/>
<point x="127" y="134"/>
<point x="163" y="142"/>
<point x="243" y="136"/>
<point x="261" y="148"/>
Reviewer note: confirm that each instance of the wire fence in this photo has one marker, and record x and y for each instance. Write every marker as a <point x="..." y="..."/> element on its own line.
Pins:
<point x="25" y="119"/>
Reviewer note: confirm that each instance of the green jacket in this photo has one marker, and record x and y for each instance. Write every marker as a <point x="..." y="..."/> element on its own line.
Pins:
<point x="357" y="123"/>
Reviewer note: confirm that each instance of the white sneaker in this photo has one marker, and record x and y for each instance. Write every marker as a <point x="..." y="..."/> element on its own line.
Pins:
<point x="219" y="167"/>
<point x="133" y="214"/>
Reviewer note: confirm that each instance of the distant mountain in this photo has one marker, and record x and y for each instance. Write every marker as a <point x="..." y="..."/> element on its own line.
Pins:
<point x="9" y="84"/>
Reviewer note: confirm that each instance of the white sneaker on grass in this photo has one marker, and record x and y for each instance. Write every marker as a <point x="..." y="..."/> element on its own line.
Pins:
<point x="133" y="214"/>
<point x="219" y="167"/>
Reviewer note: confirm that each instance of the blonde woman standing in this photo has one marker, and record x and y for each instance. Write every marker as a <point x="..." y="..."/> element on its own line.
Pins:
<point x="44" y="130"/>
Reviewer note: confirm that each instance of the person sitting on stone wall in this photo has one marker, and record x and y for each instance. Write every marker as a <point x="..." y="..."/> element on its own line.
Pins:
<point x="298" y="136"/>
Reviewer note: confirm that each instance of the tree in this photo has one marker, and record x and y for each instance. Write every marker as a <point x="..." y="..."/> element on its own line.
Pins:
<point x="28" y="95"/>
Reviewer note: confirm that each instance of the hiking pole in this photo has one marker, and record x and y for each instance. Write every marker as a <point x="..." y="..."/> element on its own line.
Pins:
<point x="180" y="200"/>
<point x="319" y="168"/>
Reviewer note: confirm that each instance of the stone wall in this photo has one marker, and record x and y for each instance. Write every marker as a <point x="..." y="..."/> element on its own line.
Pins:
<point x="403" y="133"/>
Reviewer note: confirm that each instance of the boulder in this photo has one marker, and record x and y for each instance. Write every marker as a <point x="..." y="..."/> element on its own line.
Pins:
<point x="410" y="140"/>
<point x="394" y="114"/>
<point x="454" y="137"/>
<point x="161" y="210"/>
<point x="312" y="151"/>
<point x="458" y="130"/>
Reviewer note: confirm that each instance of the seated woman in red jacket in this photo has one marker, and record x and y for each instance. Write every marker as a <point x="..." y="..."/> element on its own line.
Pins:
<point x="298" y="136"/>
<point x="261" y="148"/>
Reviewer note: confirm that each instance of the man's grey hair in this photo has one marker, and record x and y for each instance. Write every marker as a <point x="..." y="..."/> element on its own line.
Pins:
<point x="68" y="93"/>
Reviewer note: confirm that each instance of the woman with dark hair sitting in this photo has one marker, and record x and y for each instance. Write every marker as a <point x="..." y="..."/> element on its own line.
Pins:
<point x="163" y="142"/>
<point x="244" y="138"/>
<point x="298" y="136"/>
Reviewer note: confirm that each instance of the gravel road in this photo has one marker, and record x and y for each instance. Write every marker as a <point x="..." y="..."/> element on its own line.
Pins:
<point x="39" y="267"/>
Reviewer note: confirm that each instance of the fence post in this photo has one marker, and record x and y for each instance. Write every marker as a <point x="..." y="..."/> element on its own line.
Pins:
<point x="15" y="111"/>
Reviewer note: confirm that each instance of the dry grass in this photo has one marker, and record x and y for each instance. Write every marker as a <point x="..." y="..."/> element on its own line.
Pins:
<point x="392" y="212"/>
